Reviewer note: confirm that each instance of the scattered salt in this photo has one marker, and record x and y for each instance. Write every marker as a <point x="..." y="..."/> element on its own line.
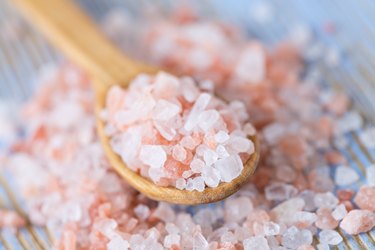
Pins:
<point x="345" y="175"/>
<point x="330" y="237"/>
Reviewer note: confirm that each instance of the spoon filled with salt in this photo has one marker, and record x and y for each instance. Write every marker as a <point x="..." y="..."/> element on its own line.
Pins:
<point x="169" y="164"/>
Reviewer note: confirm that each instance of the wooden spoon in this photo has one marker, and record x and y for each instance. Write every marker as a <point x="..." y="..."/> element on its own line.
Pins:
<point x="67" y="27"/>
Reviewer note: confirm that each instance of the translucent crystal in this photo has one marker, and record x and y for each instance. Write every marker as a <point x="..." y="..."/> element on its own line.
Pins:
<point x="181" y="183"/>
<point x="367" y="137"/>
<point x="327" y="200"/>
<point x="117" y="243"/>
<point x="210" y="157"/>
<point x="293" y="238"/>
<point x="199" y="242"/>
<point x="229" y="168"/>
<point x="142" y="211"/>
<point x="221" y="136"/>
<point x="207" y="119"/>
<point x="179" y="153"/>
<point x="271" y="228"/>
<point x="211" y="176"/>
<point x="237" y="209"/>
<point x="153" y="156"/>
<point x="198" y="107"/>
<point x="165" y="110"/>
<point x="256" y="243"/>
<point x="284" y="212"/>
<point x="280" y="191"/>
<point x="172" y="240"/>
<point x="339" y="212"/>
<point x="345" y="175"/>
<point x="330" y="237"/>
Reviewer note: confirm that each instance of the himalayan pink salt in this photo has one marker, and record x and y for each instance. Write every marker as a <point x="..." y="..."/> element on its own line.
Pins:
<point x="237" y="209"/>
<point x="305" y="247"/>
<point x="302" y="219"/>
<point x="283" y="212"/>
<point x="10" y="219"/>
<point x="325" y="219"/>
<point x="256" y="243"/>
<point x="358" y="221"/>
<point x="339" y="212"/>
<point x="345" y="194"/>
<point x="154" y="120"/>
<point x="280" y="191"/>
<point x="294" y="238"/>
<point x="327" y="200"/>
<point x="345" y="175"/>
<point x="330" y="237"/>
<point x="117" y="243"/>
<point x="365" y="198"/>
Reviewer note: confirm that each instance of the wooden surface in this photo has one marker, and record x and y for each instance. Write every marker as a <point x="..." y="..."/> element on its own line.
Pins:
<point x="77" y="36"/>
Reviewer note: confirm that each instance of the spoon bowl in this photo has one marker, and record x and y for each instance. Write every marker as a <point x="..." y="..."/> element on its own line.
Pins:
<point x="67" y="27"/>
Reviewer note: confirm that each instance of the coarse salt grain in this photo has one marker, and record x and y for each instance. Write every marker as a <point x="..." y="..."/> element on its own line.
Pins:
<point x="345" y="175"/>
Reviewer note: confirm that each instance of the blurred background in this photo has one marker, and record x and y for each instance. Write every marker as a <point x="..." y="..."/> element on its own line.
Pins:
<point x="343" y="53"/>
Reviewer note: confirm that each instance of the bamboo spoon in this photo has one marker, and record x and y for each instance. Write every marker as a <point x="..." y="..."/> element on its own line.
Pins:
<point x="77" y="36"/>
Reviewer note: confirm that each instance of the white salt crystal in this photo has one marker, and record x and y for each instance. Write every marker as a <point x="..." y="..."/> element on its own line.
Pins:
<point x="370" y="175"/>
<point x="330" y="237"/>
<point x="308" y="197"/>
<point x="293" y="237"/>
<point x="165" y="110"/>
<point x="179" y="153"/>
<point x="327" y="199"/>
<point x="180" y="183"/>
<point x="229" y="168"/>
<point x="153" y="156"/>
<point x="367" y="137"/>
<point x="172" y="228"/>
<point x="117" y="243"/>
<point x="199" y="242"/>
<point x="198" y="107"/>
<point x="66" y="116"/>
<point x="142" y="211"/>
<point x="187" y="174"/>
<point x="345" y="175"/>
<point x="196" y="183"/>
<point x="351" y="121"/>
<point x="210" y="157"/>
<point x="280" y="191"/>
<point x="221" y="152"/>
<point x="256" y="243"/>
<point x="237" y="144"/>
<point x="339" y="212"/>
<point x="228" y="237"/>
<point x="249" y="129"/>
<point x="221" y="136"/>
<point x="189" y="89"/>
<point x="211" y="176"/>
<point x="172" y="240"/>
<point x="167" y="132"/>
<point x="155" y="174"/>
<point x="166" y="85"/>
<point x="197" y="165"/>
<point x="271" y="228"/>
<point x="236" y="209"/>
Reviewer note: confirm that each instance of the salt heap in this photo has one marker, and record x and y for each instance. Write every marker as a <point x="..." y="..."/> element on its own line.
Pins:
<point x="288" y="201"/>
<point x="171" y="131"/>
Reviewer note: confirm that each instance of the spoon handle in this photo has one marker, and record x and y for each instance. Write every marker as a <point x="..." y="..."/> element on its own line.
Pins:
<point x="76" y="35"/>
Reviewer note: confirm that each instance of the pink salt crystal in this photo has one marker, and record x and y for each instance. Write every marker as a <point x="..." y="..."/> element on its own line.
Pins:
<point x="304" y="219"/>
<point x="207" y="119"/>
<point x="153" y="155"/>
<point x="283" y="212"/>
<point x="142" y="211"/>
<point x="210" y="157"/>
<point x="199" y="242"/>
<point x="286" y="173"/>
<point x="345" y="176"/>
<point x="327" y="200"/>
<point x="322" y="246"/>
<point x="165" y="110"/>
<point x="334" y="157"/>
<point x="10" y="219"/>
<point x="256" y="243"/>
<point x="180" y="183"/>
<point x="237" y="209"/>
<point x="237" y="144"/>
<point x="365" y="198"/>
<point x="221" y="152"/>
<point x="325" y="219"/>
<point x="172" y="240"/>
<point x="198" y="107"/>
<point x="211" y="176"/>
<point x="293" y="238"/>
<point x="249" y="129"/>
<point x="179" y="153"/>
<point x="330" y="237"/>
<point x="345" y="194"/>
<point x="164" y="212"/>
<point x="271" y="228"/>
<point x="229" y="168"/>
<point x="339" y="212"/>
<point x="280" y="191"/>
<point x="358" y="221"/>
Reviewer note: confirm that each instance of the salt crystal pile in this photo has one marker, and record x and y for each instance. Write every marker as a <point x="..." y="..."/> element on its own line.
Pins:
<point x="290" y="199"/>
<point x="172" y="132"/>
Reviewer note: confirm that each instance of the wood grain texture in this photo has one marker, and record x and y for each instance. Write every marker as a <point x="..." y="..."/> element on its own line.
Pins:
<point x="78" y="37"/>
